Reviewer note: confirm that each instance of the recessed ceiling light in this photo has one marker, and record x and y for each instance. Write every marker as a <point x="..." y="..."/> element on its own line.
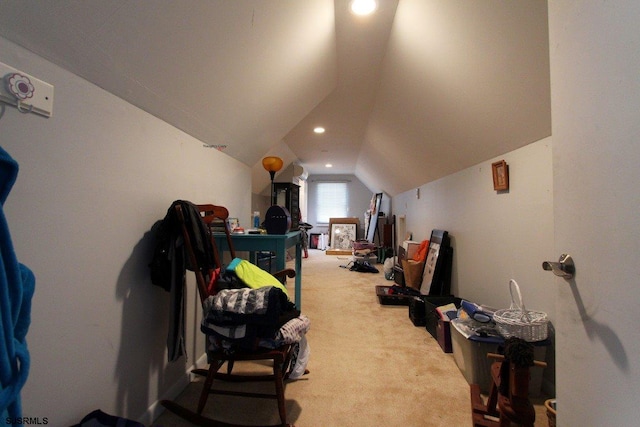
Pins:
<point x="328" y="165"/>
<point x="363" y="7"/>
<point x="318" y="129"/>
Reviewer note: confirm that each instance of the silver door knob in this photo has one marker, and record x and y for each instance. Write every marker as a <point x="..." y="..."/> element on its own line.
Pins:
<point x="564" y="268"/>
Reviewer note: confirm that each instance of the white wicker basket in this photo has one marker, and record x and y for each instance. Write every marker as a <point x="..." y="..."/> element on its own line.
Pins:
<point x="519" y="322"/>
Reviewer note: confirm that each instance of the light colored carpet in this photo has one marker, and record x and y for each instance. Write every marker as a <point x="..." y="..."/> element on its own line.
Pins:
<point x="369" y="365"/>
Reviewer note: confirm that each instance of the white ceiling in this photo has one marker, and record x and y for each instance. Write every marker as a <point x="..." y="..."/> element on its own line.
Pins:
<point x="422" y="89"/>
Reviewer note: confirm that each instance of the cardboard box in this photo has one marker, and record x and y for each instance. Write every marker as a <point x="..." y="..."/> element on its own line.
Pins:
<point x="412" y="272"/>
<point x="410" y="247"/>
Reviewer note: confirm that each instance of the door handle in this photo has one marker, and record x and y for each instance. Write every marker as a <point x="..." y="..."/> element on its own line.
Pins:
<point x="564" y="268"/>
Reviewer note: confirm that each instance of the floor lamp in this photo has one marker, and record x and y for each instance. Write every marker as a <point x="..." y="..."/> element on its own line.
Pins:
<point x="272" y="164"/>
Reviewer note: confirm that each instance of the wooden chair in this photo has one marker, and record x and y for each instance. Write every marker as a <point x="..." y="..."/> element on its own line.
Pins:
<point x="503" y="409"/>
<point x="216" y="218"/>
<point x="279" y="357"/>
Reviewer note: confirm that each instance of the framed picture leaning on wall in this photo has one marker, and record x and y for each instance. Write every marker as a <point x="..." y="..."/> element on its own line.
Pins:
<point x="342" y="233"/>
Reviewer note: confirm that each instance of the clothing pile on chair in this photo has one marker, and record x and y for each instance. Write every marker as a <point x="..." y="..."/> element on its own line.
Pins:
<point x="255" y="314"/>
<point x="251" y="308"/>
<point x="246" y="312"/>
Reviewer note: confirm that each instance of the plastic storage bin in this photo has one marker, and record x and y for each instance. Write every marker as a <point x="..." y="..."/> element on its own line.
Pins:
<point x="470" y="355"/>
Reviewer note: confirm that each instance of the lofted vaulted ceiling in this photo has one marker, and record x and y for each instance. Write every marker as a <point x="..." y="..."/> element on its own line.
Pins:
<point x="419" y="90"/>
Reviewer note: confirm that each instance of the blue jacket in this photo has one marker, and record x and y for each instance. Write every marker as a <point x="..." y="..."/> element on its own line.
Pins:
<point x="17" y="284"/>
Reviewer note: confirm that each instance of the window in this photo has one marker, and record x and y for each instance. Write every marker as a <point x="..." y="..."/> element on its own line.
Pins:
<point x="332" y="201"/>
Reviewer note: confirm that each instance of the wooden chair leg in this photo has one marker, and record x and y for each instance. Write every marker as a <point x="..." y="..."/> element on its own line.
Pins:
<point x="208" y="383"/>
<point x="279" y="382"/>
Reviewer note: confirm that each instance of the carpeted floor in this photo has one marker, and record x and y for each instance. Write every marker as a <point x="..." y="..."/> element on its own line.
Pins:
<point x="369" y="365"/>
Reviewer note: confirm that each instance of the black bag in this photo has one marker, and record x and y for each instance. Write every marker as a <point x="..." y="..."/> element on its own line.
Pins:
<point x="363" y="267"/>
<point x="98" y="418"/>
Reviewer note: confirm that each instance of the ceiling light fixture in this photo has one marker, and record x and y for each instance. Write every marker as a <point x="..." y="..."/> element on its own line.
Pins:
<point x="318" y="129"/>
<point x="328" y="165"/>
<point x="363" y="7"/>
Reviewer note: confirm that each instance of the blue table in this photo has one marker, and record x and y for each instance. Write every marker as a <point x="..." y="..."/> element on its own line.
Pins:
<point x="276" y="243"/>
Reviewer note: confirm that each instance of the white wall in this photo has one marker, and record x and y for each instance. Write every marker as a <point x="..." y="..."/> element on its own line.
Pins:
<point x="496" y="236"/>
<point x="93" y="180"/>
<point x="359" y="200"/>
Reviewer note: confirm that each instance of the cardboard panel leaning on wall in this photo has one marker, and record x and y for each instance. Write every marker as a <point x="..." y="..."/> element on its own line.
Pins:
<point x="93" y="180"/>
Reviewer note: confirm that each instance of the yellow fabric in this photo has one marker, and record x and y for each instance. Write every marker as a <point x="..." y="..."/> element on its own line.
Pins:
<point x="253" y="276"/>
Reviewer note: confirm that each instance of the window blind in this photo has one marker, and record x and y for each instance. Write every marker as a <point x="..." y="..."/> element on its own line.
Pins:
<point x="332" y="201"/>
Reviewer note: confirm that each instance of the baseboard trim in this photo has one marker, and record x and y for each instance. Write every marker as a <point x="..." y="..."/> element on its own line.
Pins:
<point x="156" y="409"/>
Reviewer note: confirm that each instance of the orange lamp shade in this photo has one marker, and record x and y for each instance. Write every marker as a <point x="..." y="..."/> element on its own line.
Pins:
<point x="272" y="164"/>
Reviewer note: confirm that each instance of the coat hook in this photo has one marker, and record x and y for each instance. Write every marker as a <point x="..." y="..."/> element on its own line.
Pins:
<point x="564" y="268"/>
